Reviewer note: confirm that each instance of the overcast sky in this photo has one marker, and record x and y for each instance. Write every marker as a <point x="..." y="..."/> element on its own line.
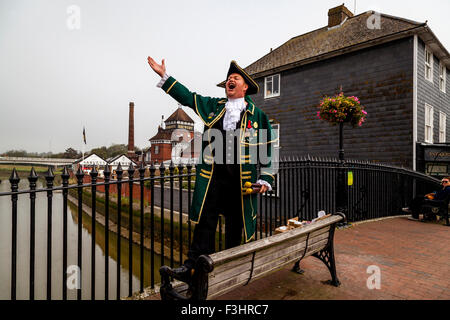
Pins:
<point x="59" y="73"/>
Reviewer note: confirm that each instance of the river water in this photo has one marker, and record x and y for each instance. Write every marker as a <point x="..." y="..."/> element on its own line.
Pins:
<point x="23" y="250"/>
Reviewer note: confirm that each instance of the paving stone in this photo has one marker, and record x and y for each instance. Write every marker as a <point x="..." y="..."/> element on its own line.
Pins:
<point x="413" y="257"/>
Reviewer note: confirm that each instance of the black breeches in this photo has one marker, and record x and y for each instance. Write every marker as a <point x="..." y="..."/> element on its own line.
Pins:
<point x="224" y="197"/>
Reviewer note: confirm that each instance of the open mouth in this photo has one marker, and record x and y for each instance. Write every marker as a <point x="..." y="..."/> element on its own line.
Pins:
<point x="231" y="86"/>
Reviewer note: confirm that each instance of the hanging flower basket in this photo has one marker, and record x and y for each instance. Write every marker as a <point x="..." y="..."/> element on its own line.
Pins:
<point x="342" y="109"/>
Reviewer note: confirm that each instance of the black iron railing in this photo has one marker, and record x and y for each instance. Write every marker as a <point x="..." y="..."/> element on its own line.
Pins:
<point x="303" y="186"/>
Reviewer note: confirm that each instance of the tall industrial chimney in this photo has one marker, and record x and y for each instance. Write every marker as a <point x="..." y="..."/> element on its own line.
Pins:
<point x="131" y="132"/>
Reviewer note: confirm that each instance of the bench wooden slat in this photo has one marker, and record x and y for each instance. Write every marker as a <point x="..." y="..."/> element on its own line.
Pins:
<point x="240" y="251"/>
<point x="225" y="265"/>
<point x="229" y="269"/>
<point x="233" y="268"/>
<point x="229" y="284"/>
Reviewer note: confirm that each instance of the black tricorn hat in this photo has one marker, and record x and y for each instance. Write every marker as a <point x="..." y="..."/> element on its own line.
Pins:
<point x="253" y="87"/>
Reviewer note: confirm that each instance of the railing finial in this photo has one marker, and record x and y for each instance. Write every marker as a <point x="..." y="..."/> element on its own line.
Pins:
<point x="32" y="173"/>
<point x="14" y="178"/>
<point x="65" y="172"/>
<point x="49" y="173"/>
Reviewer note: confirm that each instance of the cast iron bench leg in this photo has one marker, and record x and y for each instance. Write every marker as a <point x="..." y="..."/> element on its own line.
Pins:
<point x="297" y="268"/>
<point x="327" y="257"/>
<point x="198" y="286"/>
<point x="167" y="292"/>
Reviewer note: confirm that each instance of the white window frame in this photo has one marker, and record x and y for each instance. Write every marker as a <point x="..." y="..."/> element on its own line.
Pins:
<point x="442" y="76"/>
<point x="429" y="111"/>
<point x="269" y="79"/>
<point x="156" y="149"/>
<point x="442" y="127"/>
<point x="276" y="128"/>
<point x="429" y="65"/>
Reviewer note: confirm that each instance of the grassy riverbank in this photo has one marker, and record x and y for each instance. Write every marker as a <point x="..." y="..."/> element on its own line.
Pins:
<point x="24" y="171"/>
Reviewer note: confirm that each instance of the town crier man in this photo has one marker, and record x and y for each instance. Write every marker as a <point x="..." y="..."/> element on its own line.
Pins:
<point x="225" y="170"/>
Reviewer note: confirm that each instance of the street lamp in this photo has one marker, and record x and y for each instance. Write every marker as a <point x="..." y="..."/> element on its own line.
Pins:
<point x="340" y="110"/>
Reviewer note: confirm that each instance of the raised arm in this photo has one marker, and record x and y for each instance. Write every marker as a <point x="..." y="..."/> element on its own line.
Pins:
<point x="171" y="86"/>
<point x="205" y="107"/>
<point x="160" y="69"/>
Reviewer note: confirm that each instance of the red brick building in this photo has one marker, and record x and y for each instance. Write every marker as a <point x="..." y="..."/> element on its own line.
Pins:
<point x="174" y="136"/>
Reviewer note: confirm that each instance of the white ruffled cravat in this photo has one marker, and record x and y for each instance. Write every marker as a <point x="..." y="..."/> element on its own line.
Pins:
<point x="233" y="107"/>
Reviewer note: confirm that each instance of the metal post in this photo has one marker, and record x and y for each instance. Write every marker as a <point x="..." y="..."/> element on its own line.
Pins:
<point x="180" y="220"/>
<point x="32" y="179"/>
<point x="171" y="171"/>
<point x="131" y="171"/>
<point x="152" y="225"/>
<point x="93" y="175"/>
<point x="49" y="178"/>
<point x="107" y="175"/>
<point x="162" y="170"/>
<point x="189" y="171"/>
<point x="341" y="190"/>
<point x="14" y="180"/>
<point x="341" y="141"/>
<point x="65" y="182"/>
<point x="80" y="176"/>
<point x="141" y="182"/>
<point x="119" y="172"/>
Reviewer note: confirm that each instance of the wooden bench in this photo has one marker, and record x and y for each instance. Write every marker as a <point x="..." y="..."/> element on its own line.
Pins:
<point x="224" y="271"/>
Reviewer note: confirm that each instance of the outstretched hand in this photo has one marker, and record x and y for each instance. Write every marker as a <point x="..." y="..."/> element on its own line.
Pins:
<point x="160" y="69"/>
<point x="263" y="189"/>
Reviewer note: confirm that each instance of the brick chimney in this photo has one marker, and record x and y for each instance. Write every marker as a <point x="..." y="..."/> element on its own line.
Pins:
<point x="337" y="15"/>
<point x="131" y="131"/>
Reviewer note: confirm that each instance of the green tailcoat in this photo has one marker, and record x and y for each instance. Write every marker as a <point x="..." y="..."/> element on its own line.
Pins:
<point x="252" y="138"/>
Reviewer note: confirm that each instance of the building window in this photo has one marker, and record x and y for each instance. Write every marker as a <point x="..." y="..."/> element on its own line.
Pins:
<point x="276" y="129"/>
<point x="428" y="123"/>
<point x="442" y="76"/>
<point x="156" y="149"/>
<point x="428" y="65"/>
<point x="272" y="86"/>
<point x="442" y="125"/>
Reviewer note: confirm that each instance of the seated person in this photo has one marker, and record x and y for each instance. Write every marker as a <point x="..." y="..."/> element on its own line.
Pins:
<point x="436" y="198"/>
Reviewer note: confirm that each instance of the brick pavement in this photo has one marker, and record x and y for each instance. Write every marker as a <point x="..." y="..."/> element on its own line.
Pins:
<point x="413" y="257"/>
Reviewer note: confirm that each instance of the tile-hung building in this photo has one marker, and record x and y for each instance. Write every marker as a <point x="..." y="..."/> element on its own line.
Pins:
<point x="397" y="67"/>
